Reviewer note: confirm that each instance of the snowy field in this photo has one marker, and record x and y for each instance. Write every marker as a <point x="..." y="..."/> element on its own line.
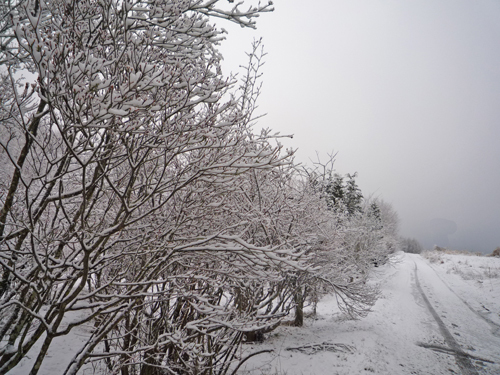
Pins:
<point x="436" y="315"/>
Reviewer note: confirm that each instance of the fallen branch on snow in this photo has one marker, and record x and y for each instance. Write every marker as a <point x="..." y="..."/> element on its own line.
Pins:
<point x="324" y="346"/>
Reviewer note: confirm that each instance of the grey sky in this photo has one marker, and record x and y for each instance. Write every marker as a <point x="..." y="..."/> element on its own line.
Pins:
<point x="407" y="92"/>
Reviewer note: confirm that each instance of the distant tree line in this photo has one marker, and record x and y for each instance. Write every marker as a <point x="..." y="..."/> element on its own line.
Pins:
<point x="411" y="245"/>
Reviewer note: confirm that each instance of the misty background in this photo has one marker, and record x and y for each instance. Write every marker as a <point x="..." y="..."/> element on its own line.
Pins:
<point x="406" y="92"/>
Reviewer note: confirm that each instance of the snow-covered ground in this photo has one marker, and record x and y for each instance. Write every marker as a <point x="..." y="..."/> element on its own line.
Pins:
<point x="437" y="315"/>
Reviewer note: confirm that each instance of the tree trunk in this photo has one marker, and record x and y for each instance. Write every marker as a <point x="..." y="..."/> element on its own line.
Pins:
<point x="299" y="308"/>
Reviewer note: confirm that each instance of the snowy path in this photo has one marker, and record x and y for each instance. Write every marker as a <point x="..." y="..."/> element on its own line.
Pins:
<point x="473" y="339"/>
<point x="421" y="325"/>
<point x="440" y="303"/>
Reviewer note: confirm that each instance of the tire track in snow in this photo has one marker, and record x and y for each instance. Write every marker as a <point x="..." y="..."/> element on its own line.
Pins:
<point x="495" y="327"/>
<point x="462" y="358"/>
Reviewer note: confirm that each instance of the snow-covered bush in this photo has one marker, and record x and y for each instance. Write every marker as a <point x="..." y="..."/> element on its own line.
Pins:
<point x="496" y="252"/>
<point x="119" y="161"/>
<point x="432" y="256"/>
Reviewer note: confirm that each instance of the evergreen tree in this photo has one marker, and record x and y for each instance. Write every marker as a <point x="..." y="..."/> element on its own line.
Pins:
<point x="334" y="191"/>
<point x="342" y="196"/>
<point x="353" y="196"/>
<point x="374" y="212"/>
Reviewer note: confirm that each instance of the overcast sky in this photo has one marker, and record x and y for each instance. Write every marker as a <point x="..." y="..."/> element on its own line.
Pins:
<point x="406" y="91"/>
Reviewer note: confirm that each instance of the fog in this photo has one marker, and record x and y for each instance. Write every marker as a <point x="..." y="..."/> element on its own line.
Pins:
<point x="406" y="92"/>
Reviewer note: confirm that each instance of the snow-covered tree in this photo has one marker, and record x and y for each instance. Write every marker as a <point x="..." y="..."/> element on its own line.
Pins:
<point x="352" y="195"/>
<point x="372" y="234"/>
<point x="328" y="226"/>
<point x="121" y="167"/>
<point x="136" y="199"/>
<point x="284" y="210"/>
<point x="339" y="268"/>
<point x="356" y="234"/>
<point x="341" y="193"/>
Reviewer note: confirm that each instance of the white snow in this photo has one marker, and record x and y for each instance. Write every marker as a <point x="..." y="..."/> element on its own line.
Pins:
<point x="400" y="335"/>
